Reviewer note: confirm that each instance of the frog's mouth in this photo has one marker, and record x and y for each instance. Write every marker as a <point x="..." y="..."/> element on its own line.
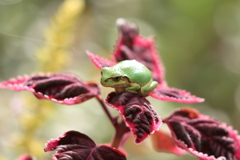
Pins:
<point x="123" y="85"/>
<point x="118" y="79"/>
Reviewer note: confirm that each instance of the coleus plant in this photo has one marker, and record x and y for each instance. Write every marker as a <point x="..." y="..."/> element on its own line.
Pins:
<point x="204" y="137"/>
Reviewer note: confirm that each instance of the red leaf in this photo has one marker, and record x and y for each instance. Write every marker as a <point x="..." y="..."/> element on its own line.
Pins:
<point x="202" y="136"/>
<point x="132" y="46"/>
<point x="74" y="145"/>
<point x="120" y="149"/>
<point x="26" y="157"/>
<point x="99" y="62"/>
<point x="162" y="142"/>
<point x="60" y="88"/>
<point x="137" y="113"/>
<point x="174" y="94"/>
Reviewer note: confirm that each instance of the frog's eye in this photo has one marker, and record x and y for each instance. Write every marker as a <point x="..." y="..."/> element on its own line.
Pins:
<point x="115" y="79"/>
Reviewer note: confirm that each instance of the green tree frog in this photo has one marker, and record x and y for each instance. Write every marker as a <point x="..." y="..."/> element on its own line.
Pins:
<point x="130" y="76"/>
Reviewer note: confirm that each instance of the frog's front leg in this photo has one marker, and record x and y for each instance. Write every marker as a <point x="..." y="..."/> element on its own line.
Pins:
<point x="149" y="87"/>
<point x="134" y="87"/>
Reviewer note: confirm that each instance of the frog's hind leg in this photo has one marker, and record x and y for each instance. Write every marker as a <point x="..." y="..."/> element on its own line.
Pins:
<point x="149" y="87"/>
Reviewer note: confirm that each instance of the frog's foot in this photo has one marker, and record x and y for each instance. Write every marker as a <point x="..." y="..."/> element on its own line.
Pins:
<point x="149" y="87"/>
<point x="120" y="89"/>
<point x="134" y="88"/>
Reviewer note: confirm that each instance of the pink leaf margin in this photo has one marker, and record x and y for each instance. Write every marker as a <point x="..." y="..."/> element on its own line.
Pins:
<point x="159" y="70"/>
<point x="100" y="62"/>
<point x="84" y="142"/>
<point x="120" y="109"/>
<point x="203" y="156"/>
<point x="181" y="96"/>
<point x="53" y="143"/>
<point x="17" y="84"/>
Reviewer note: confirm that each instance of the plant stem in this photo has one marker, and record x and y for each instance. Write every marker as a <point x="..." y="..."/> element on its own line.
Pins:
<point x="104" y="107"/>
<point x="121" y="130"/>
<point x="120" y="127"/>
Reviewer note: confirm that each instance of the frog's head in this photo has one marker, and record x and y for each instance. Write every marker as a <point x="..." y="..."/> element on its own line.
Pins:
<point x="111" y="77"/>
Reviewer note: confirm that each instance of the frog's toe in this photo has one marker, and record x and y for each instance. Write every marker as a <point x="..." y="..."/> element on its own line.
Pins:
<point x="150" y="88"/>
<point x="154" y="85"/>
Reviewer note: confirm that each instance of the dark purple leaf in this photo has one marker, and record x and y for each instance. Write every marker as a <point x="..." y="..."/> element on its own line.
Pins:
<point x="132" y="46"/>
<point x="202" y="136"/>
<point x="60" y="88"/>
<point x="174" y="94"/>
<point x="128" y="31"/>
<point x="74" y="145"/>
<point x="137" y="113"/>
<point x="100" y="62"/>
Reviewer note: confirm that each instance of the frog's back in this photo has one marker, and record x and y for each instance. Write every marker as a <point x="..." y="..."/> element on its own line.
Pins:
<point x="136" y="71"/>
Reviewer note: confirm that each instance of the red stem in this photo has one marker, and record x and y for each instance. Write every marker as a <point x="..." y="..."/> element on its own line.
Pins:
<point x="121" y="130"/>
<point x="104" y="107"/>
<point x="120" y="127"/>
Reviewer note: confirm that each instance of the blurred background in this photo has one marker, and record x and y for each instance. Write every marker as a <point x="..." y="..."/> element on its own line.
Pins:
<point x="198" y="41"/>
